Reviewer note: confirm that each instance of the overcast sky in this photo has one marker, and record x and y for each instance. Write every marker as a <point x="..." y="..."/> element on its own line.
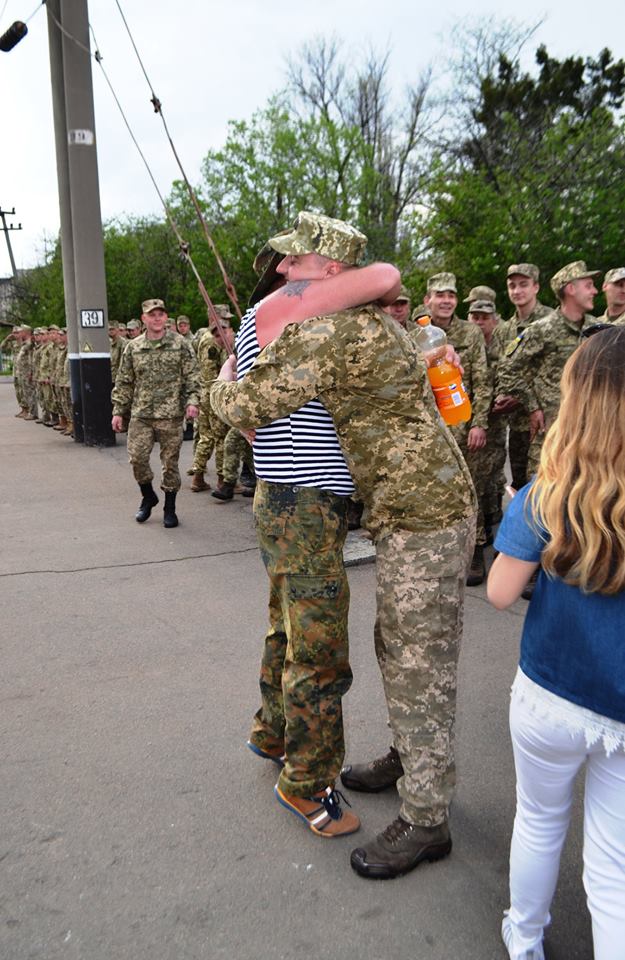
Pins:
<point x="211" y="61"/>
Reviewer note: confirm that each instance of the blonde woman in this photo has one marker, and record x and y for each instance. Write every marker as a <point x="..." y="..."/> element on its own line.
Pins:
<point x="568" y="699"/>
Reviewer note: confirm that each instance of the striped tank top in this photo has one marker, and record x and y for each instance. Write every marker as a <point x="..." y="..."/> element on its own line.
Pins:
<point x="301" y="448"/>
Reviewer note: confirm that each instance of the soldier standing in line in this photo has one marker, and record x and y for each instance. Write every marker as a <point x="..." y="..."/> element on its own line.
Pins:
<point x="58" y="379"/>
<point x="441" y="300"/>
<point x="420" y="509"/>
<point x="24" y="368"/>
<point x="523" y="283"/>
<point x="183" y="326"/>
<point x="117" y="341"/>
<point x="10" y="347"/>
<point x="486" y="464"/>
<point x="211" y="354"/>
<point x="133" y="329"/>
<point x="614" y="290"/>
<point x="156" y="386"/>
<point x="48" y="417"/>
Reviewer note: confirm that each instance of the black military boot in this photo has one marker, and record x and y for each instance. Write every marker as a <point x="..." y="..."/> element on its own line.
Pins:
<point x="477" y="570"/>
<point x="372" y="777"/>
<point x="149" y="500"/>
<point x="225" y="492"/>
<point x="169" y="510"/>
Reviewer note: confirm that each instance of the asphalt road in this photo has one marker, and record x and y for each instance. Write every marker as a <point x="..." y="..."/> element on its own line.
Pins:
<point x="134" y="823"/>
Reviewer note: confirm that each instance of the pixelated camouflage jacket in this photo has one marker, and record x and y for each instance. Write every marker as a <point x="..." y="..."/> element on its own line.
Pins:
<point x="117" y="346"/>
<point x="370" y="377"/>
<point x="45" y="362"/>
<point x="157" y="379"/>
<point x="533" y="364"/>
<point x="617" y="321"/>
<point x="468" y="341"/>
<point x="24" y="361"/>
<point x="514" y="326"/>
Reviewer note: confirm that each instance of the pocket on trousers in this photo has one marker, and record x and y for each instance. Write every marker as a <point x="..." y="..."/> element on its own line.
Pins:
<point x="313" y="588"/>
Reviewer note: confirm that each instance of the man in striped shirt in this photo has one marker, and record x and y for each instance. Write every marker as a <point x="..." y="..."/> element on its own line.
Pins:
<point x="300" y="511"/>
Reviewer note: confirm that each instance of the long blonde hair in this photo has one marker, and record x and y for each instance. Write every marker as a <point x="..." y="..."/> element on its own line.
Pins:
<point x="579" y="492"/>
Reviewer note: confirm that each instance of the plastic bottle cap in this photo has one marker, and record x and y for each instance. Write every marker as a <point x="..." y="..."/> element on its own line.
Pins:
<point x="423" y="321"/>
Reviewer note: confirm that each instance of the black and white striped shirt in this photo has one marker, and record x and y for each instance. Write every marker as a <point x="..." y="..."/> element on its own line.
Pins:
<point x="301" y="448"/>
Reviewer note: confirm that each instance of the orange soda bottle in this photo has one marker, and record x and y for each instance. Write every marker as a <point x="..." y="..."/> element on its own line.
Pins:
<point x="451" y="397"/>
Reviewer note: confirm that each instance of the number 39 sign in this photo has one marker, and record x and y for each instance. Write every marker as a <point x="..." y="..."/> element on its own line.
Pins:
<point x="92" y="318"/>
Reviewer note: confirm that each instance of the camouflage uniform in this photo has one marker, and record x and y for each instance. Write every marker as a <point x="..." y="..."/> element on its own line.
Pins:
<point x="305" y="668"/>
<point x="117" y="345"/>
<point x="157" y="380"/>
<point x="24" y="366"/>
<point x="518" y="420"/>
<point x="211" y="430"/>
<point x="532" y="368"/>
<point x="236" y="449"/>
<point x="419" y="506"/>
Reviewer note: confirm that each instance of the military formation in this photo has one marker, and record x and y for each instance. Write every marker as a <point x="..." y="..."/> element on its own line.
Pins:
<point x="41" y="376"/>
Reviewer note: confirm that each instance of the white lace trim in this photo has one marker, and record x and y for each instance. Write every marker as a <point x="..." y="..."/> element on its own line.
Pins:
<point x="574" y="718"/>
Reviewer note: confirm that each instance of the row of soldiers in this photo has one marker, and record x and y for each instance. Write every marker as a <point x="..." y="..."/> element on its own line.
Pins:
<point x="512" y="368"/>
<point x="41" y="376"/>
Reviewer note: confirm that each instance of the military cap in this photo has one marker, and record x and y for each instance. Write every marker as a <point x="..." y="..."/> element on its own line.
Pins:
<point x="54" y="327"/>
<point x="113" y="324"/>
<point x="223" y="310"/>
<point x="572" y="271"/>
<point x="148" y="305"/>
<point x="122" y="326"/>
<point x="133" y="324"/>
<point x="404" y="296"/>
<point x="39" y="330"/>
<point x="183" y="319"/>
<point x="316" y="233"/>
<point x="26" y="328"/>
<point x="482" y="306"/>
<point x="63" y="330"/>
<point x="265" y="263"/>
<point x="442" y="281"/>
<point x="524" y="270"/>
<point x="480" y="293"/>
<point x="614" y="275"/>
<point x="421" y="311"/>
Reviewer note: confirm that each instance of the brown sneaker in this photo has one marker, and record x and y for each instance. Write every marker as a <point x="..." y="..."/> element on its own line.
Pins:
<point x="322" y="813"/>
<point x="373" y="777"/>
<point x="199" y="483"/>
<point x="399" y="849"/>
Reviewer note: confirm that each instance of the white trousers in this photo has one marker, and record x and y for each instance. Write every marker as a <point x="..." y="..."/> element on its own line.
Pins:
<point x="547" y="758"/>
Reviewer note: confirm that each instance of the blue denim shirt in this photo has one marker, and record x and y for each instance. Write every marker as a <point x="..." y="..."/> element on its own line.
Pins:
<point x="573" y="643"/>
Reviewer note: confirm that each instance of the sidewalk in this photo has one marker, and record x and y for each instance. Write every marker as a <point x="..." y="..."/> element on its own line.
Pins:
<point x="135" y="823"/>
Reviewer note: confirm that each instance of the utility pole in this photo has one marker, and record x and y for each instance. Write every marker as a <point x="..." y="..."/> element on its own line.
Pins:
<point x="3" y="215"/>
<point x="82" y="246"/>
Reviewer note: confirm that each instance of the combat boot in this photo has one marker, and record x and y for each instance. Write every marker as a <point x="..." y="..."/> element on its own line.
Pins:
<point x="381" y="773"/>
<point x="199" y="483"/>
<point x="477" y="570"/>
<point x="400" y="848"/>
<point x="169" y="510"/>
<point x="225" y="492"/>
<point x="61" y="426"/>
<point x="149" y="500"/>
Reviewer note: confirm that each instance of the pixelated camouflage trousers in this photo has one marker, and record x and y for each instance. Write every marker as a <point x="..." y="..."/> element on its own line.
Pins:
<point x="142" y="435"/>
<point x="236" y="449"/>
<point x="486" y="467"/>
<point x="29" y="396"/>
<point x="18" y="386"/>
<point x="420" y="600"/>
<point x="211" y="435"/>
<point x="305" y="667"/>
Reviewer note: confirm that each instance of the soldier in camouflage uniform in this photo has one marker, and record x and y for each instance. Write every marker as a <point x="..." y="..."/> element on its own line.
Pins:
<point x="211" y="353"/>
<point x="420" y="508"/>
<point x="614" y="290"/>
<point x="24" y="370"/>
<point x="156" y="386"/>
<point x="533" y="364"/>
<point x="117" y="340"/>
<point x="44" y="373"/>
<point x="400" y="309"/>
<point x="133" y="329"/>
<point x="183" y="326"/>
<point x="58" y="379"/>
<point x="523" y="283"/>
<point x="441" y="300"/>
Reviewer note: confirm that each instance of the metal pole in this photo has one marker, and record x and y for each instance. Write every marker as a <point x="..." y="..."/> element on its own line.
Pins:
<point x="90" y="311"/>
<point x="8" y="239"/>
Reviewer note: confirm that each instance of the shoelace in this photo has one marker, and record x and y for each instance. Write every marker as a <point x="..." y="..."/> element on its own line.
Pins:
<point x="331" y="801"/>
<point x="396" y="830"/>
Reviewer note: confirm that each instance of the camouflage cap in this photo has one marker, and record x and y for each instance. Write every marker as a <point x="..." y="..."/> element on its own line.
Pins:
<point x="113" y="324"/>
<point x="223" y="310"/>
<point x="442" y="281"/>
<point x="53" y="328"/>
<point x="183" y="319"/>
<point x="404" y="296"/>
<point x="26" y="328"/>
<point x="614" y="275"/>
<point x="480" y="293"/>
<point x="148" y="305"/>
<point x="572" y="271"/>
<point x="39" y="330"/>
<point x="316" y="233"/>
<point x="421" y="311"/>
<point x="483" y="306"/>
<point x="265" y="263"/>
<point x="122" y="326"/>
<point x="524" y="270"/>
<point x="133" y="325"/>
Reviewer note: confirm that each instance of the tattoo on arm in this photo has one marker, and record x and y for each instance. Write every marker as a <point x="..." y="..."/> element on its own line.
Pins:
<point x="295" y="288"/>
